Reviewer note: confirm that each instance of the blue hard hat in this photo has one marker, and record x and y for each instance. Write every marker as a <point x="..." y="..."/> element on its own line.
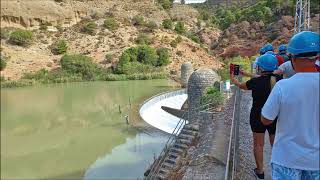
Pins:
<point x="262" y="51"/>
<point x="268" y="62"/>
<point x="304" y="42"/>
<point x="282" y="47"/>
<point x="268" y="47"/>
<point x="270" y="52"/>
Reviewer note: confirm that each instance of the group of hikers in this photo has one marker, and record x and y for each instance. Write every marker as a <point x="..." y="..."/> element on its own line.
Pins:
<point x="285" y="92"/>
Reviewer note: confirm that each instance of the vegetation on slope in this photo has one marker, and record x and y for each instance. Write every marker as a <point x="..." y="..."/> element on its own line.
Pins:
<point x="212" y="98"/>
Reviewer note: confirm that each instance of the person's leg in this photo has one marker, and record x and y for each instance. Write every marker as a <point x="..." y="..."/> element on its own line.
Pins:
<point x="283" y="173"/>
<point x="271" y="139"/>
<point x="310" y="175"/>
<point x="258" y="143"/>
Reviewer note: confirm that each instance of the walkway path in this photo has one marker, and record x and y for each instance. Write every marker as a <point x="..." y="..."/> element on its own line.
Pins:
<point x="246" y="158"/>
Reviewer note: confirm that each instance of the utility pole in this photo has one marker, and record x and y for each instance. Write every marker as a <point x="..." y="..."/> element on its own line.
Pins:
<point x="302" y="16"/>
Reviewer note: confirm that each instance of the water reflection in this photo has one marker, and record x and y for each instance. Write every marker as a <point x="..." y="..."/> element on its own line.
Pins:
<point x="58" y="131"/>
<point x="129" y="160"/>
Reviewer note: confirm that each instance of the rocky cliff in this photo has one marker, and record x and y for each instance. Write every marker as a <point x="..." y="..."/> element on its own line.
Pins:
<point x="31" y="14"/>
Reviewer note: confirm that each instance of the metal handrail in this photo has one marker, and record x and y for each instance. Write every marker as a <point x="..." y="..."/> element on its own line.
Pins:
<point x="167" y="147"/>
<point x="164" y="151"/>
<point x="232" y="157"/>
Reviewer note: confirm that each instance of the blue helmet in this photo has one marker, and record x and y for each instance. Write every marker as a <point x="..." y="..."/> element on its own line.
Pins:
<point x="268" y="47"/>
<point x="262" y="51"/>
<point x="282" y="47"/>
<point x="270" y="52"/>
<point x="268" y="62"/>
<point x="304" y="42"/>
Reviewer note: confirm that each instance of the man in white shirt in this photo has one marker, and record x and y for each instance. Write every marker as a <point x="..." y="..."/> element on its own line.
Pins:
<point x="286" y="69"/>
<point x="295" y="101"/>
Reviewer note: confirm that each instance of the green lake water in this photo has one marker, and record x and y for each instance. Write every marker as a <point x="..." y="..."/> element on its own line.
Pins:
<point x="76" y="130"/>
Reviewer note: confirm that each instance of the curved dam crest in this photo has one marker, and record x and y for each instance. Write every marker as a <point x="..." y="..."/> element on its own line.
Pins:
<point x="152" y="113"/>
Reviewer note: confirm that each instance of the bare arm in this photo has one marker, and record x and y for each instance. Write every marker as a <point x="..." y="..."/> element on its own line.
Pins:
<point x="278" y="71"/>
<point x="265" y="121"/>
<point x="237" y="83"/>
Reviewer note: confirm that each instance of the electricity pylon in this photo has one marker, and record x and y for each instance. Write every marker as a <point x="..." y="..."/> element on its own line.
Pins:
<point x="302" y="16"/>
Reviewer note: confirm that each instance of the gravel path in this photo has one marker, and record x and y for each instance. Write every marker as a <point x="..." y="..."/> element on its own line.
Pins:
<point x="246" y="158"/>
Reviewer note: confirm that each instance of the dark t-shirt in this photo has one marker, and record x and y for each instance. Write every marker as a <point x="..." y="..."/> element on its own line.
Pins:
<point x="261" y="89"/>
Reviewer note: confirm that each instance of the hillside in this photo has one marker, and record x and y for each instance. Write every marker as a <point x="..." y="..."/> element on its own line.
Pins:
<point x="70" y="15"/>
<point x="203" y="41"/>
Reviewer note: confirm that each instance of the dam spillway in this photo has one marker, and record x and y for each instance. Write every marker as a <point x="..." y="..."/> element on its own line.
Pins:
<point x="152" y="113"/>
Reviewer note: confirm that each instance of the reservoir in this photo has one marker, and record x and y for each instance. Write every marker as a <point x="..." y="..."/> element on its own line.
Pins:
<point x="79" y="130"/>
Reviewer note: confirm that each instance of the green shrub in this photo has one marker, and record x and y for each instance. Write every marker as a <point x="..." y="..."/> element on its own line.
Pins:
<point x="79" y="64"/>
<point x="151" y="25"/>
<point x="21" y="37"/>
<point x="90" y="28"/>
<point x="123" y="61"/>
<point x="138" y="21"/>
<point x="147" y="55"/>
<point x="3" y="63"/>
<point x="60" y="47"/>
<point x="174" y="44"/>
<point x="166" y="4"/>
<point x="228" y="19"/>
<point x="163" y="55"/>
<point x="178" y="39"/>
<point x="212" y="98"/>
<point x="193" y="37"/>
<point x="109" y="58"/>
<point x="214" y="21"/>
<point x="204" y="15"/>
<point x="136" y="67"/>
<point x="167" y="24"/>
<point x="133" y="54"/>
<point x="111" y="24"/>
<point x="140" y="59"/>
<point x="179" y="28"/>
<point x="143" y="39"/>
<point x="41" y="74"/>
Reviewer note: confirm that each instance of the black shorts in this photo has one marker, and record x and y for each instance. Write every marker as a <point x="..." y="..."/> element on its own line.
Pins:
<point x="257" y="126"/>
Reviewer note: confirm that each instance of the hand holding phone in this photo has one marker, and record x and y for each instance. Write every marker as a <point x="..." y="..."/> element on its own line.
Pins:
<point x="234" y="69"/>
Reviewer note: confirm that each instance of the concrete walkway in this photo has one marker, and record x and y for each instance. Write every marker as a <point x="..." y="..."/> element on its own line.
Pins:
<point x="246" y="158"/>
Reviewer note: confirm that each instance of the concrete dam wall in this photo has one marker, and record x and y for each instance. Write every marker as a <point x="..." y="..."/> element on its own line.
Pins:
<point x="152" y="113"/>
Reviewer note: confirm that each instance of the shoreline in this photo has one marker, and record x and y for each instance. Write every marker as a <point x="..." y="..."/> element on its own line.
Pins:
<point x="110" y="77"/>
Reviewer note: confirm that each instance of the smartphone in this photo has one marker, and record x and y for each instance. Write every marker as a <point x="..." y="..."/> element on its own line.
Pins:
<point x="235" y="69"/>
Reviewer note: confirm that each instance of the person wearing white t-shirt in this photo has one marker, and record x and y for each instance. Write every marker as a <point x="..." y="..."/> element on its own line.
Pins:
<point x="286" y="70"/>
<point x="295" y="101"/>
